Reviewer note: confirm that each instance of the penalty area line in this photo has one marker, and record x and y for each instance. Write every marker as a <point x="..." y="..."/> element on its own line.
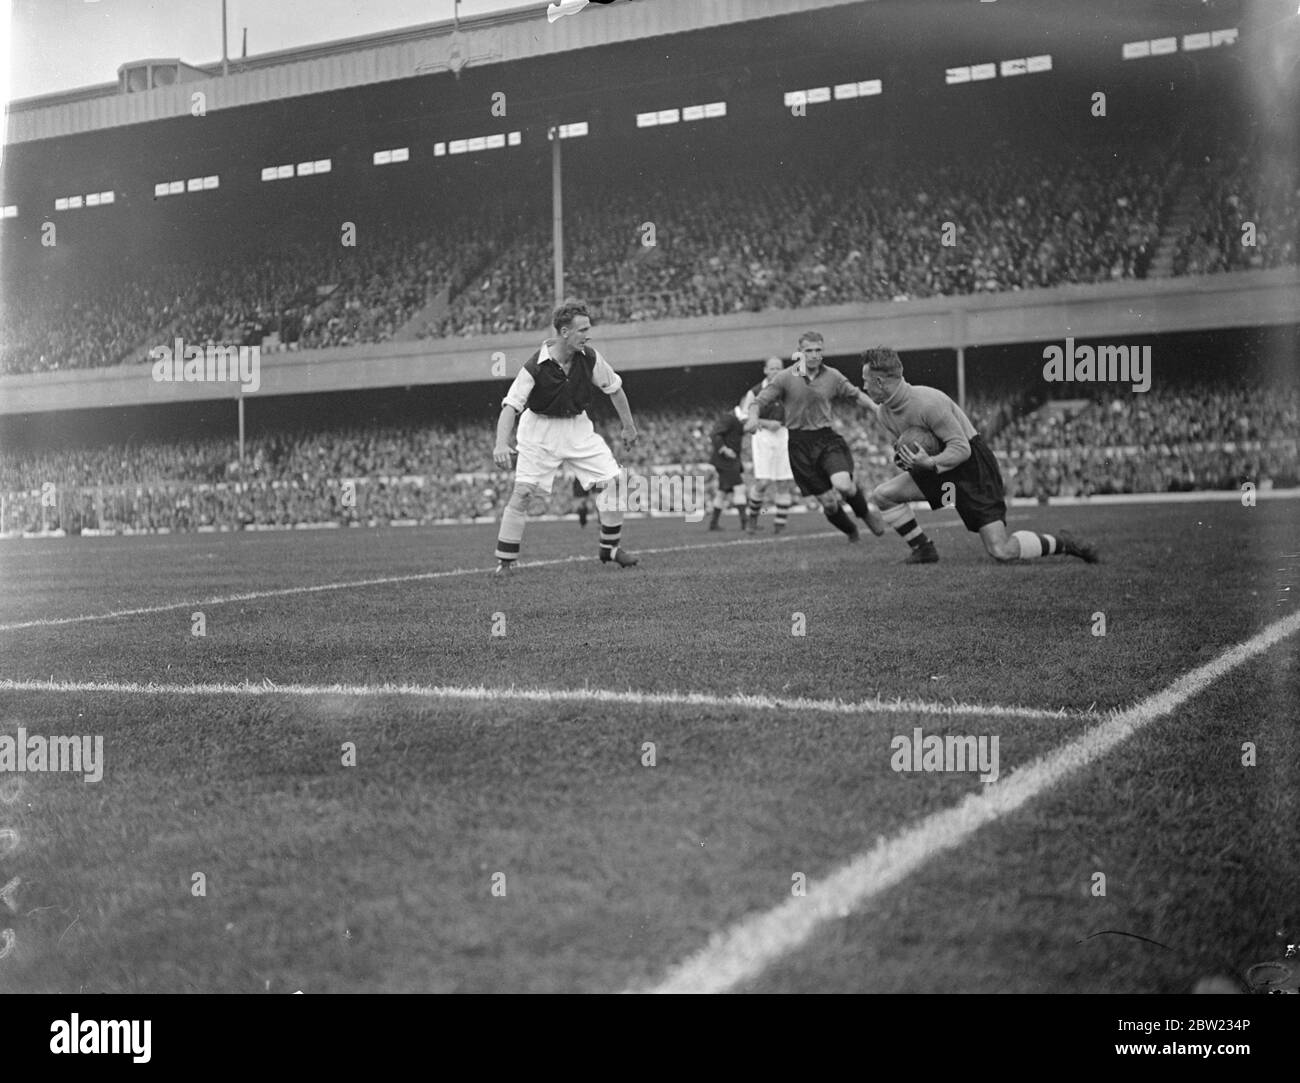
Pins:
<point x="741" y="953"/>
<point x="542" y="695"/>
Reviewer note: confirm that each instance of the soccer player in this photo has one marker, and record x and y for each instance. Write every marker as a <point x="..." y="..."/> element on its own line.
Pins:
<point x="550" y="397"/>
<point x="820" y="459"/>
<point x="581" y="502"/>
<point x="771" y="443"/>
<point x="963" y="475"/>
<point x="727" y="436"/>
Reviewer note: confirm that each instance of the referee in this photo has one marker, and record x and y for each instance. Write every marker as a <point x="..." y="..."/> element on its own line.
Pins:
<point x="820" y="460"/>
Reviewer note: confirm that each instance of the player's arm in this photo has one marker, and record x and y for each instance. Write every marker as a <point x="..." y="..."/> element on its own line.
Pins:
<point x="773" y="392"/>
<point x="609" y="381"/>
<point x="956" y="448"/>
<point x="511" y="407"/>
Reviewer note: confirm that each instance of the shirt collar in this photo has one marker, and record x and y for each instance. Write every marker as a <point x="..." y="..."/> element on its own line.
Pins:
<point x="899" y="396"/>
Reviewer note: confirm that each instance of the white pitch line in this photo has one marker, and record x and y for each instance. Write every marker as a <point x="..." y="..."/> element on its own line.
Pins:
<point x="542" y="695"/>
<point x="281" y="592"/>
<point x="741" y="953"/>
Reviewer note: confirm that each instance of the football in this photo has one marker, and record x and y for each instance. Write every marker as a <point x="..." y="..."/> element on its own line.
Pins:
<point x="914" y="434"/>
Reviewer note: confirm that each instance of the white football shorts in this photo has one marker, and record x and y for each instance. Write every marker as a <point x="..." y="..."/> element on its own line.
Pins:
<point x="547" y="443"/>
<point x="772" y="455"/>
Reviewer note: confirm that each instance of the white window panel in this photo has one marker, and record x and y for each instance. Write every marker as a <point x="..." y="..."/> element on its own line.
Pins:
<point x="383" y="157"/>
<point x="458" y="146"/>
<point x="283" y="172"/>
<point x="1014" y="67"/>
<point x="194" y="184"/>
<point x="819" y="94"/>
<point x="1163" y="46"/>
<point x="1039" y="63"/>
<point x="796" y="97"/>
<point x="74" y="202"/>
<point x="1192" y="42"/>
<point x="1134" y="49"/>
<point x="1226" y="37"/>
<point x="693" y="112"/>
<point x="983" y="71"/>
<point x="669" y="116"/>
<point x="401" y="154"/>
<point x="957" y="75"/>
<point x="324" y="165"/>
<point x="175" y="188"/>
<point x="869" y="87"/>
<point x="61" y="204"/>
<point x="514" y="139"/>
<point x="107" y="197"/>
<point x="211" y="182"/>
<point x="647" y="120"/>
<point x="92" y="199"/>
<point x="496" y="142"/>
<point x="439" y="150"/>
<point x="715" y="109"/>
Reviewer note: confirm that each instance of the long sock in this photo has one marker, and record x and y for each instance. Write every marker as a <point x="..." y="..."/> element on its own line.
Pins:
<point x="715" y="515"/>
<point x="510" y="534"/>
<point x="840" y="519"/>
<point x="1034" y="545"/>
<point x="611" y="530"/>
<point x="782" y="510"/>
<point x="858" y="502"/>
<point x="740" y="510"/>
<point x="900" y="517"/>
<point x="755" y="507"/>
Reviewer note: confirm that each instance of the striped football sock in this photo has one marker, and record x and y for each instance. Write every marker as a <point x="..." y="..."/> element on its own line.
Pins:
<point x="782" y="510"/>
<point x="900" y="517"/>
<point x="611" y="530"/>
<point x="755" y="507"/>
<point x="510" y="534"/>
<point x="1036" y="545"/>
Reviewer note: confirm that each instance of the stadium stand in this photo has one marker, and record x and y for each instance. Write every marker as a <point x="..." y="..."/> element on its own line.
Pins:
<point x="1199" y="437"/>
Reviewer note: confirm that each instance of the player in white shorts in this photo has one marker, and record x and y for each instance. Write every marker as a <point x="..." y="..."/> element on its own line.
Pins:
<point x="550" y="397"/>
<point x="771" y="443"/>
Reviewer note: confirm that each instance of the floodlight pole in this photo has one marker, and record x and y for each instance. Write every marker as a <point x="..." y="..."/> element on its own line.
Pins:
<point x="557" y="214"/>
<point x="240" y="400"/>
<point x="225" y="56"/>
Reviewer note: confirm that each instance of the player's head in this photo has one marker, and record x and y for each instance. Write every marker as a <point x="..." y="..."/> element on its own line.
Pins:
<point x="573" y="323"/>
<point x="772" y="366"/>
<point x="811" y="344"/>
<point x="882" y="372"/>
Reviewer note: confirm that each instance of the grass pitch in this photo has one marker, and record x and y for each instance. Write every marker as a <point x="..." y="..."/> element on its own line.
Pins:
<point x="502" y="841"/>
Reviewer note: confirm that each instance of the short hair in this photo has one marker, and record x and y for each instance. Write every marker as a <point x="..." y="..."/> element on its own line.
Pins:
<point x="568" y="311"/>
<point x="811" y="336"/>
<point x="883" y="359"/>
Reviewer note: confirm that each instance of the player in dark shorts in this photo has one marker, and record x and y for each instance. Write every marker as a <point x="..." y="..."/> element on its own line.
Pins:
<point x="726" y="438"/>
<point x="820" y="460"/>
<point x="581" y="502"/>
<point x="964" y="475"/>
